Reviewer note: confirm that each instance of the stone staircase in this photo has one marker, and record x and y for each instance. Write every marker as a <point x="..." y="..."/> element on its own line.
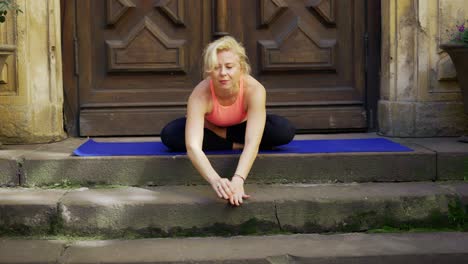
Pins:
<point x="307" y="208"/>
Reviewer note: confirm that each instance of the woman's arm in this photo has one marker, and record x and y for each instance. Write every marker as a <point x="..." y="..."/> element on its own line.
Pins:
<point x="256" y="100"/>
<point x="196" y="109"/>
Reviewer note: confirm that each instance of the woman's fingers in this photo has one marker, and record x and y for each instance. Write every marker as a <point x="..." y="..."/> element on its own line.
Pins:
<point x="233" y="200"/>
<point x="223" y="192"/>
<point x="226" y="186"/>
<point x="220" y="191"/>
<point x="217" y="190"/>
<point x="236" y="199"/>
<point x="223" y="188"/>
<point x="220" y="195"/>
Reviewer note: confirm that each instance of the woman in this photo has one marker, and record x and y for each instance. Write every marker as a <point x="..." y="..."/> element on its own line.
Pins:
<point x="226" y="111"/>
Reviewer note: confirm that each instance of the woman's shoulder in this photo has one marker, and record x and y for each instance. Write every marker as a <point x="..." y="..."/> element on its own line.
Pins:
<point x="201" y="94"/>
<point x="252" y="86"/>
<point x="202" y="89"/>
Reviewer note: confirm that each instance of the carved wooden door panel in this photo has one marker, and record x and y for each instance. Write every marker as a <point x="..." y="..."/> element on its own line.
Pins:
<point x="138" y="62"/>
<point x="140" y="59"/>
<point x="309" y="55"/>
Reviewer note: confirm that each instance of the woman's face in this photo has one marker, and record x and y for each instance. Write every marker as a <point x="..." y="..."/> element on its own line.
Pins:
<point x="227" y="73"/>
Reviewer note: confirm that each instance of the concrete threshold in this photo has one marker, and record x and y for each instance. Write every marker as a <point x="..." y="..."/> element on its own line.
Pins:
<point x="417" y="248"/>
<point x="48" y="164"/>
<point x="195" y="210"/>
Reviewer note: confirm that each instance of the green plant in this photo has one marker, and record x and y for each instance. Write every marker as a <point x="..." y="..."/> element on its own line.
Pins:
<point x="461" y="34"/>
<point x="8" y="5"/>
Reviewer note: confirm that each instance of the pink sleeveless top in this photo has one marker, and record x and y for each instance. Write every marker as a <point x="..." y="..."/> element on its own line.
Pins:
<point x="230" y="115"/>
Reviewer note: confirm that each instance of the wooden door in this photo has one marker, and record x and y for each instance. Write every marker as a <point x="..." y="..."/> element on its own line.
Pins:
<point x="138" y="60"/>
<point x="310" y="57"/>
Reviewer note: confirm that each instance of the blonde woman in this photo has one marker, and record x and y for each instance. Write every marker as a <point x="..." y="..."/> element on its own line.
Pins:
<point x="227" y="111"/>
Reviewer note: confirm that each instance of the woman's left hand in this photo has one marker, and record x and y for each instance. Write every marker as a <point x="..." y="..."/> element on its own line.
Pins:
<point x="238" y="195"/>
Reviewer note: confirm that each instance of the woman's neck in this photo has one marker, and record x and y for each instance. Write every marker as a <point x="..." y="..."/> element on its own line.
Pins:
<point x="227" y="96"/>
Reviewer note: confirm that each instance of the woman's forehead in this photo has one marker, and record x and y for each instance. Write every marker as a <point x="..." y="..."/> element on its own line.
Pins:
<point x="226" y="56"/>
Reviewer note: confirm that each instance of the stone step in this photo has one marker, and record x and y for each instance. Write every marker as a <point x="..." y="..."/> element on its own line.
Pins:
<point x="195" y="210"/>
<point x="413" y="248"/>
<point x="48" y="164"/>
<point x="39" y="165"/>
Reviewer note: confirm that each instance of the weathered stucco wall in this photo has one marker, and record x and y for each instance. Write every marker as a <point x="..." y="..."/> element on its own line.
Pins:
<point x="419" y="93"/>
<point x="32" y="98"/>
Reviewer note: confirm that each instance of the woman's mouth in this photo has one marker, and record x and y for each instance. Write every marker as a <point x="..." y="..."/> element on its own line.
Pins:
<point x="223" y="81"/>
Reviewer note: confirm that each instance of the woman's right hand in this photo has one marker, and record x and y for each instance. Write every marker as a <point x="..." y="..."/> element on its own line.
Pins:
<point x="222" y="187"/>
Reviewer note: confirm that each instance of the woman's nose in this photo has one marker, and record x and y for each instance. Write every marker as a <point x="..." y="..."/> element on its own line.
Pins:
<point x="222" y="71"/>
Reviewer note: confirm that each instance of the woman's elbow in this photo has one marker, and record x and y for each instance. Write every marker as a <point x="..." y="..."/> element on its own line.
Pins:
<point x="192" y="149"/>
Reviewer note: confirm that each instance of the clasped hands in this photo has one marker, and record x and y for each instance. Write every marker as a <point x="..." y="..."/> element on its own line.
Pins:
<point x="232" y="190"/>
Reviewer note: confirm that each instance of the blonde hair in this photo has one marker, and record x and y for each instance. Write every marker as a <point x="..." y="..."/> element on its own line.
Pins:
<point x="210" y="58"/>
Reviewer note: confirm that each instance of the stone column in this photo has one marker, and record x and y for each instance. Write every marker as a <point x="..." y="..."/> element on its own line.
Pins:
<point x="419" y="93"/>
<point x="31" y="91"/>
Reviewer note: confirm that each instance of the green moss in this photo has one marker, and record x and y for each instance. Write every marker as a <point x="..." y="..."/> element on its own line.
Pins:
<point x="55" y="227"/>
<point x="465" y="168"/>
<point x="64" y="184"/>
<point x="455" y="220"/>
<point x="383" y="220"/>
<point x="13" y="230"/>
<point x="458" y="216"/>
<point x="250" y="227"/>
<point x="70" y="185"/>
<point x="56" y="222"/>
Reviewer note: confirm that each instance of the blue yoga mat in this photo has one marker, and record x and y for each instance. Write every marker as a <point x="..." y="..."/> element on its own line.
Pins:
<point x="93" y="148"/>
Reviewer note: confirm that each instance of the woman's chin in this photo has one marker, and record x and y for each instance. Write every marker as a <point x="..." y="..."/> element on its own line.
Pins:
<point x="225" y="86"/>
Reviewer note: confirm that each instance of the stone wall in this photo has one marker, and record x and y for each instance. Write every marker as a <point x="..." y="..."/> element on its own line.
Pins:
<point x="419" y="93"/>
<point x="420" y="96"/>
<point x="31" y="92"/>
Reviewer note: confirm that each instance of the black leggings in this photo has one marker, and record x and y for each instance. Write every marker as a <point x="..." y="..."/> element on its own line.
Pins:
<point x="278" y="131"/>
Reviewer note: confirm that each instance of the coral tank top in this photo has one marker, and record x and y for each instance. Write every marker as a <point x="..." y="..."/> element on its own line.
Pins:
<point x="229" y="115"/>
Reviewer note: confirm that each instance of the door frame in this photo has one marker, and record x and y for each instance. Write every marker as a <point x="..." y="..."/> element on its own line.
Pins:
<point x="70" y="70"/>
<point x="373" y="60"/>
<point x="70" y="66"/>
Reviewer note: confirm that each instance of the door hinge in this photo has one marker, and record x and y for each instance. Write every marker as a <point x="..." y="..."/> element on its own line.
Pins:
<point x="366" y="51"/>
<point x="75" y="51"/>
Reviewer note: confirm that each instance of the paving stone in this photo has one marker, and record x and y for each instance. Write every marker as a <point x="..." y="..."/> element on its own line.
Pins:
<point x="298" y="207"/>
<point x="342" y="248"/>
<point x="461" y="189"/>
<point x="323" y="249"/>
<point x="28" y="210"/>
<point x="30" y="251"/>
<point x="8" y="172"/>
<point x="452" y="156"/>
<point x="147" y="210"/>
<point x="11" y="163"/>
